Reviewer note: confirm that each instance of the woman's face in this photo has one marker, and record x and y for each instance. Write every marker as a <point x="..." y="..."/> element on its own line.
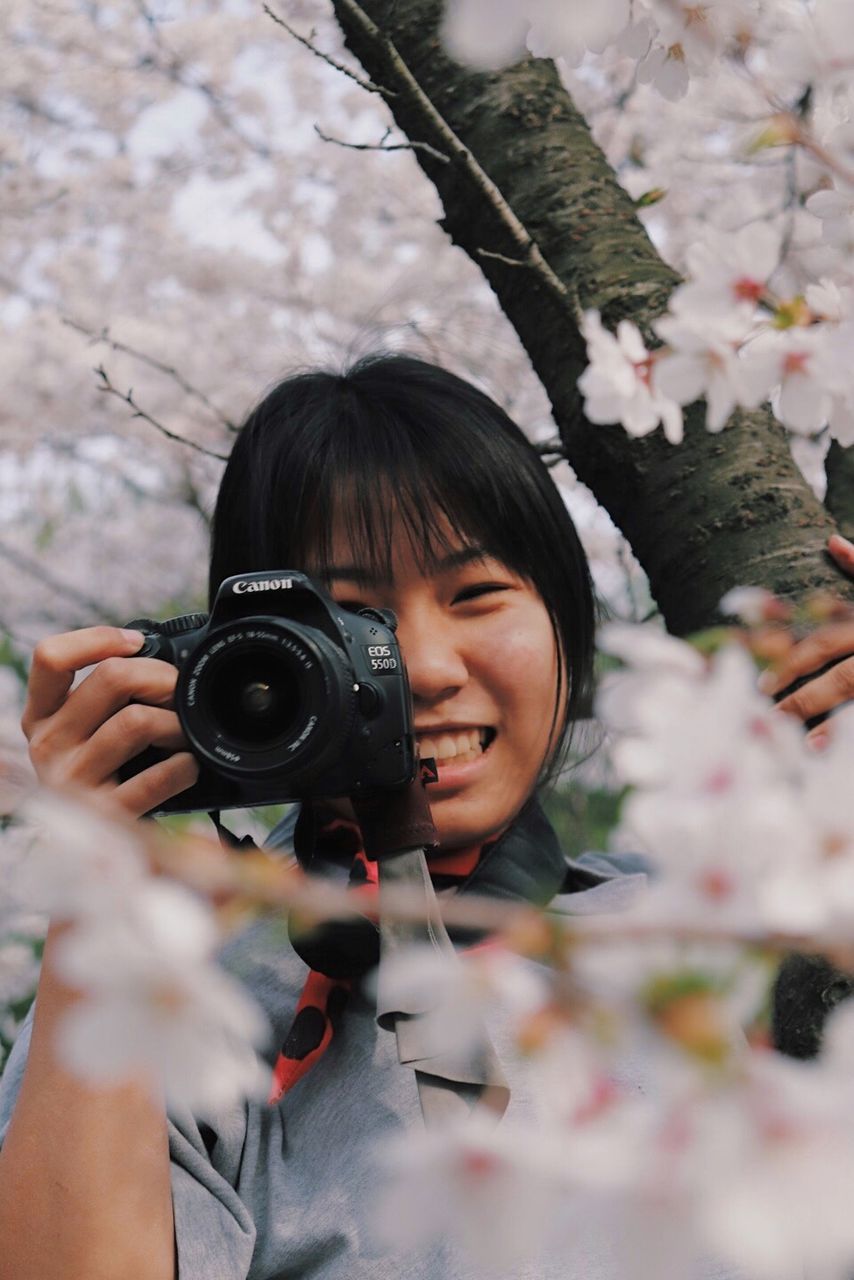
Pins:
<point x="482" y="663"/>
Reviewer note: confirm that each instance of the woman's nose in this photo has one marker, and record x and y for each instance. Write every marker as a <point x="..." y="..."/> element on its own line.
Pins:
<point x="434" y="659"/>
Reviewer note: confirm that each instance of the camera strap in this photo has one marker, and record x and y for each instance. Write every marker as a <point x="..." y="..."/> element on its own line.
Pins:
<point x="452" y="1078"/>
<point x="227" y="838"/>
<point x="395" y="822"/>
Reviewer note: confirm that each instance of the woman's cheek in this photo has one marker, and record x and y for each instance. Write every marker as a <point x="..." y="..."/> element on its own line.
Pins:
<point x="518" y="660"/>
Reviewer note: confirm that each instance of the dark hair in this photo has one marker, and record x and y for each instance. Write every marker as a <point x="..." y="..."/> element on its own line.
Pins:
<point x="325" y="447"/>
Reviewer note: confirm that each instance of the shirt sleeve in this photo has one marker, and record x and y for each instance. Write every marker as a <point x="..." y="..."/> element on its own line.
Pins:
<point x="13" y="1072"/>
<point x="214" y="1230"/>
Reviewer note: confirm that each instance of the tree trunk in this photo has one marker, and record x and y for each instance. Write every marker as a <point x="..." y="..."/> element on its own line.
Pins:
<point x="839" y="498"/>
<point x="709" y="514"/>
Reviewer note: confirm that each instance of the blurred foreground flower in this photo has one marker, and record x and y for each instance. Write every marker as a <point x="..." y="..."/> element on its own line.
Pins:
<point x="141" y="951"/>
<point x="155" y="1000"/>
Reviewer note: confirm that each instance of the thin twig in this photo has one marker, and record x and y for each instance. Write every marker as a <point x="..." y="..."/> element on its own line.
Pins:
<point x="502" y="257"/>
<point x="138" y="412"/>
<point x="384" y="146"/>
<point x="551" y="452"/>
<point x="325" y="57"/>
<point x="169" y="370"/>
<point x="269" y="881"/>
<point x="410" y="90"/>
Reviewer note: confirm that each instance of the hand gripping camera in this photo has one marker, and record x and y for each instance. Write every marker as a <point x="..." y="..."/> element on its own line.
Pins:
<point x="282" y="695"/>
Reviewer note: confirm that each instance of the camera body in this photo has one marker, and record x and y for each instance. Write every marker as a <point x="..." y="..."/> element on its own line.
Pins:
<point x="282" y="695"/>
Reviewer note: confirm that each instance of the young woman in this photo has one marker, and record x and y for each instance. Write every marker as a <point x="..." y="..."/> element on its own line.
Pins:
<point x="398" y="485"/>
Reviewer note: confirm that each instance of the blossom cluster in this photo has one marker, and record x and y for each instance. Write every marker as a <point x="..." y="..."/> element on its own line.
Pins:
<point x="670" y="41"/>
<point x="766" y="310"/>
<point x="728" y="339"/>
<point x="660" y="1111"/>
<point x="646" y="1102"/>
<point x="142" y="948"/>
<point x="750" y="829"/>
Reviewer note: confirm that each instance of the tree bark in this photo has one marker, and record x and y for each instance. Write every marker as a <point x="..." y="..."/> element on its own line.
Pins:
<point x="709" y="514"/>
<point x="839" y="498"/>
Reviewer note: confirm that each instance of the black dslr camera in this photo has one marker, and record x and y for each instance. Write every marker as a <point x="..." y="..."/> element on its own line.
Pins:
<point x="282" y="694"/>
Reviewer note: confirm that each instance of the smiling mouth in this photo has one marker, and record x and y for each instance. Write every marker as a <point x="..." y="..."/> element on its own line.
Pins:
<point x="459" y="747"/>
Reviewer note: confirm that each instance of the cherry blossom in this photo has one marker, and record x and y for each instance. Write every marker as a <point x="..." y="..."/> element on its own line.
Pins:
<point x="665" y="69"/>
<point x="781" y="1210"/>
<point x="80" y="865"/>
<point x="456" y="991"/>
<point x="803" y="364"/>
<point x="821" y="46"/>
<point x="831" y="825"/>
<point x="729" y="272"/>
<point x="703" y="360"/>
<point x="485" y="35"/>
<point x="616" y="384"/>
<point x="752" y="605"/>
<point x="569" y="31"/>
<point x="497" y="1190"/>
<point x="726" y="733"/>
<point x="157" y="1005"/>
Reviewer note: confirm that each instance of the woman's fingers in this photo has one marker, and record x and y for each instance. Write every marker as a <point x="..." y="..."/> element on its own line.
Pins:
<point x="81" y="736"/>
<point x="822" y="665"/>
<point x="119" y="739"/>
<point x="842" y="551"/>
<point x="151" y="788"/>
<point x="115" y="683"/>
<point x="827" y="644"/>
<point x="57" y="660"/>
<point x="822" y="694"/>
<point x="824" y="661"/>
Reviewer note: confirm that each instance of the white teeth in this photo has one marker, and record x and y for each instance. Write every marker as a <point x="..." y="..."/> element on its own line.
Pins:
<point x="462" y="746"/>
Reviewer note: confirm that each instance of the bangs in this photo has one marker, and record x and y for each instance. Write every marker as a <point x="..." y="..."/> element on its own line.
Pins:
<point x="369" y="495"/>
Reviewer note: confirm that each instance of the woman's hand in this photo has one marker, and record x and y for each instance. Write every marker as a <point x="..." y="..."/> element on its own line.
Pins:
<point x="829" y="644"/>
<point x="81" y="737"/>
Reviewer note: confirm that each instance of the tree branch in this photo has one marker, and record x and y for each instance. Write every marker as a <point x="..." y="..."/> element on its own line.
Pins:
<point x="529" y="182"/>
<point x="309" y="44"/>
<point x="551" y="451"/>
<point x="138" y="412"/>
<point x="839" y="499"/>
<point x="385" y="146"/>
<point x="410" y="92"/>
<point x="169" y="370"/>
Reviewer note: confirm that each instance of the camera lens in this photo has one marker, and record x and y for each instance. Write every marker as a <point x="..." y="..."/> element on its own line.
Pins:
<point x="264" y="696"/>
<point x="255" y="697"/>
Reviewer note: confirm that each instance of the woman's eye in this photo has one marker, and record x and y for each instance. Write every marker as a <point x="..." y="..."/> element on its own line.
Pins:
<point x="480" y="589"/>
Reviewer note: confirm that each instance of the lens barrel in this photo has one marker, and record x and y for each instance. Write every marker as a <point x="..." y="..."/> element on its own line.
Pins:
<point x="263" y="696"/>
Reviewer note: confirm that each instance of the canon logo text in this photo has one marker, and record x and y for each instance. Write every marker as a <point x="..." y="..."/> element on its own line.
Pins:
<point x="263" y="584"/>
